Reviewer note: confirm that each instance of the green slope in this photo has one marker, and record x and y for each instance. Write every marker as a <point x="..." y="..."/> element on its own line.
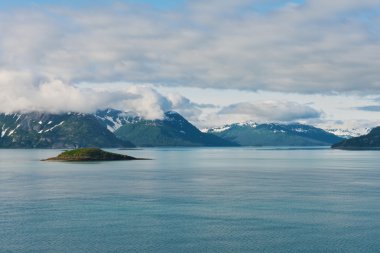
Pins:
<point x="173" y="130"/>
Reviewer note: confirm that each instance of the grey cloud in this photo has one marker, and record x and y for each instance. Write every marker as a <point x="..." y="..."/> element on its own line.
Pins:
<point x="272" y="111"/>
<point x="318" y="47"/>
<point x="189" y="109"/>
<point x="370" y="108"/>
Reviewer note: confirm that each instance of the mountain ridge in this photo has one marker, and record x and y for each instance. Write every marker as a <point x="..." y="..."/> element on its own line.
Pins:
<point x="173" y="130"/>
<point x="251" y="133"/>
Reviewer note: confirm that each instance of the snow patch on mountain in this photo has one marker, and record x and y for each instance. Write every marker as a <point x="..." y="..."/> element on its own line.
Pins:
<point x="247" y="124"/>
<point x="114" y="119"/>
<point x="250" y="123"/>
<point x="349" y="133"/>
<point x="52" y="128"/>
<point x="3" y="131"/>
<point x="216" y="129"/>
<point x="12" y="131"/>
<point x="116" y="123"/>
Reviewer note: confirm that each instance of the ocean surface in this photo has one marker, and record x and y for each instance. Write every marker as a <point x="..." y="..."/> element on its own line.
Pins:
<point x="192" y="200"/>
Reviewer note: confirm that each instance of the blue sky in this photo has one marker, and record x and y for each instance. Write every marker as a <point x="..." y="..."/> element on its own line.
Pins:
<point x="317" y="59"/>
<point x="167" y="4"/>
<point x="261" y="6"/>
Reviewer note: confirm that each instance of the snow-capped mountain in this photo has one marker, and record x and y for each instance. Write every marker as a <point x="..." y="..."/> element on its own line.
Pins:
<point x="105" y="128"/>
<point x="228" y="126"/>
<point x="172" y="130"/>
<point x="46" y="130"/>
<point x="274" y="134"/>
<point x="115" y="128"/>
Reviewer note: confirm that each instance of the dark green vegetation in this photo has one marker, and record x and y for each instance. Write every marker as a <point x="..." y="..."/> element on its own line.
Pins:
<point x="44" y="130"/>
<point x="251" y="134"/>
<point x="173" y="130"/>
<point x="90" y="154"/>
<point x="370" y="141"/>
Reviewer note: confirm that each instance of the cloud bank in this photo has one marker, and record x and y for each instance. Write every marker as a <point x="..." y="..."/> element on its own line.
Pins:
<point x="22" y="92"/>
<point x="317" y="47"/>
<point x="56" y="96"/>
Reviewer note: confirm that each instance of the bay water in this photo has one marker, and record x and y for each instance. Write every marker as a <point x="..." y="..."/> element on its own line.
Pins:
<point x="192" y="200"/>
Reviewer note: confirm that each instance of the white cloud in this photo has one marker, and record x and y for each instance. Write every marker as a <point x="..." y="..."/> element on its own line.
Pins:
<point x="190" y="110"/>
<point x="318" y="47"/>
<point x="146" y="101"/>
<point x="21" y="91"/>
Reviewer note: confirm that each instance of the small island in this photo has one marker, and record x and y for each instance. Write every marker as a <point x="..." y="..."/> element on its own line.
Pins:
<point x="90" y="154"/>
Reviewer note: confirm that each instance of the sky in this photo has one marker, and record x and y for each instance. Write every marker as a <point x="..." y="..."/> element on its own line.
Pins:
<point x="214" y="61"/>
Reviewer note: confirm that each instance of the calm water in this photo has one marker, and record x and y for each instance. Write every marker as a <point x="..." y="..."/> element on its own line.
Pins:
<point x="192" y="200"/>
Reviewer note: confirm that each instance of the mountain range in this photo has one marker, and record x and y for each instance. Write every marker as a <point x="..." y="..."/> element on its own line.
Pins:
<point x="115" y="128"/>
<point x="107" y="128"/>
<point x="273" y="134"/>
